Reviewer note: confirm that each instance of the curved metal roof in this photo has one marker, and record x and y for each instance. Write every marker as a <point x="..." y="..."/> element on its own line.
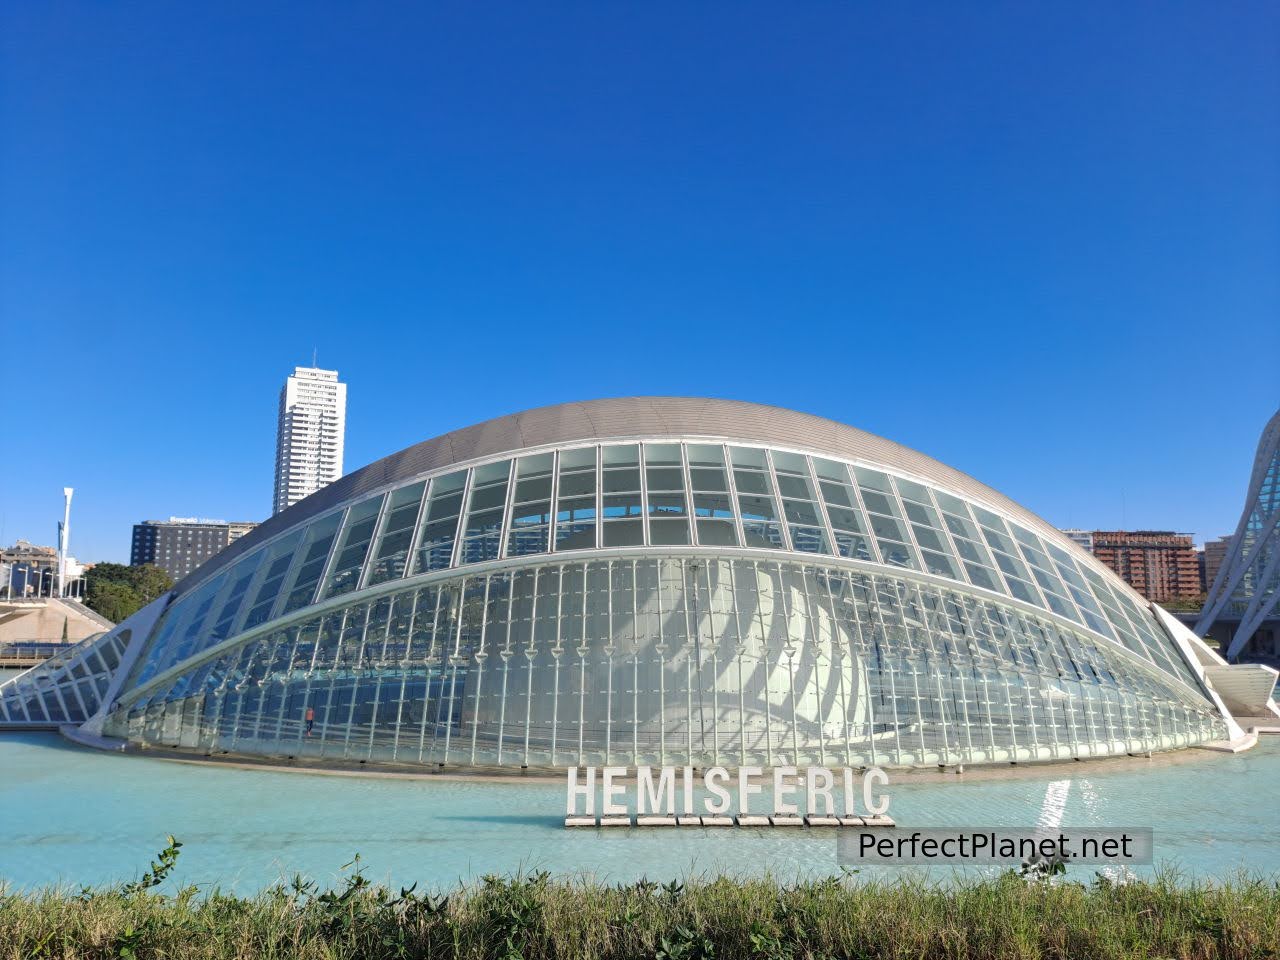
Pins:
<point x="626" y="418"/>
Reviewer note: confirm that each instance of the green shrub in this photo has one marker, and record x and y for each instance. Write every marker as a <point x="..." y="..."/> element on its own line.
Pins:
<point x="532" y="916"/>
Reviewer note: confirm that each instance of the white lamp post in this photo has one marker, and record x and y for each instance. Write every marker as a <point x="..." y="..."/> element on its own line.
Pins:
<point x="64" y="541"/>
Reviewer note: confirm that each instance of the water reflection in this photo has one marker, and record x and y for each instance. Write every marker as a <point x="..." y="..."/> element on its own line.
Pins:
<point x="76" y="816"/>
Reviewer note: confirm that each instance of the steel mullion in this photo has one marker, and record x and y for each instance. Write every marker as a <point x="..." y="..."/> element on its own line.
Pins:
<point x="508" y="506"/>
<point x="328" y="564"/>
<point x="686" y="483"/>
<point x="779" y="510"/>
<point x="820" y="501"/>
<point x="375" y="540"/>
<point x="464" y="513"/>
<point x="643" y="460"/>
<point x="553" y="505"/>
<point x="419" y="523"/>
<point x="735" y="507"/>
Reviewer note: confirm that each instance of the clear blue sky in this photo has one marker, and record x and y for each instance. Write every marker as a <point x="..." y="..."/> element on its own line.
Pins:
<point x="1039" y="242"/>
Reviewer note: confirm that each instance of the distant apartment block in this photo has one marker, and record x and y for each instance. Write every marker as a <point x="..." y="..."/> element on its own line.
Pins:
<point x="1082" y="537"/>
<point x="180" y="544"/>
<point x="1215" y="551"/>
<point x="1160" y="564"/>
<point x="309" y="435"/>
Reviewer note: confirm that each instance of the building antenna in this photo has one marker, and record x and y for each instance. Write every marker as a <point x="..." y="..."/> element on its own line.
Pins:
<point x="313" y="357"/>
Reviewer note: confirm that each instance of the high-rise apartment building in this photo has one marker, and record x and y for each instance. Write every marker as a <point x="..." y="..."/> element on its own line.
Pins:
<point x="309" y="438"/>
<point x="1159" y="564"/>
<point x="180" y="544"/>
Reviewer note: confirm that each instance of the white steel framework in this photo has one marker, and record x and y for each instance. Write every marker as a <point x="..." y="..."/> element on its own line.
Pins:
<point x="614" y="582"/>
<point x="1247" y="585"/>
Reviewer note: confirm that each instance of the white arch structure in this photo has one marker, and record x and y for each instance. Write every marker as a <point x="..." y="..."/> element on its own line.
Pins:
<point x="1247" y="584"/>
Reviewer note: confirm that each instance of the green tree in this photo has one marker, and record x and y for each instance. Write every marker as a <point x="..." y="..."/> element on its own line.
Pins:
<point x="116" y="572"/>
<point x="118" y="592"/>
<point x="149" y="581"/>
<point x="114" y="600"/>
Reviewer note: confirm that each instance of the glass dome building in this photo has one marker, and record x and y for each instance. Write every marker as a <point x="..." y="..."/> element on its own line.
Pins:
<point x="643" y="581"/>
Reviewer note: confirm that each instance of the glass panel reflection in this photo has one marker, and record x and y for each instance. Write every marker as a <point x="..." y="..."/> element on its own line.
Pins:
<point x="440" y="523"/>
<point x="671" y="661"/>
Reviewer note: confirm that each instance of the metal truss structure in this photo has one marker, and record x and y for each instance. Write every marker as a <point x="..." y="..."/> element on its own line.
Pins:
<point x="1247" y="585"/>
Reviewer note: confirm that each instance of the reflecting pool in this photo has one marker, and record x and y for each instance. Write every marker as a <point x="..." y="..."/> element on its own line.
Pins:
<point x="76" y="816"/>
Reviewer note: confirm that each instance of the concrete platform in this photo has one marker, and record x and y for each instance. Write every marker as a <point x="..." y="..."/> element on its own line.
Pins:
<point x="1263" y="725"/>
<point x="1238" y="745"/>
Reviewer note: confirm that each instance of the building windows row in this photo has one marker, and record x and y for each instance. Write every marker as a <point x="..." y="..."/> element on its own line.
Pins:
<point x="658" y="494"/>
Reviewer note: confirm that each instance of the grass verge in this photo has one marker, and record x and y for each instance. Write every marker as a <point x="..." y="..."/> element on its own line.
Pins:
<point x="534" y="916"/>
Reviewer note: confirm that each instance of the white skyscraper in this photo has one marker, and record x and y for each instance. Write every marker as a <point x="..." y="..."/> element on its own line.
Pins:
<point x="313" y="422"/>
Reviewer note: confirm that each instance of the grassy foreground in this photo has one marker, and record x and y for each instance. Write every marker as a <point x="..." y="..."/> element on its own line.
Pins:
<point x="535" y="917"/>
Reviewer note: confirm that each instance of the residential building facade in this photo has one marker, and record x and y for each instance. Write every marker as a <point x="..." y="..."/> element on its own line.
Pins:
<point x="310" y="433"/>
<point x="1215" y="551"/>
<point x="1159" y="564"/>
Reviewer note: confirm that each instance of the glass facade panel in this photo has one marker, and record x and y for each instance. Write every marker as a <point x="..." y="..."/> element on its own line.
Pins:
<point x="884" y="513"/>
<point x="391" y="555"/>
<point x="277" y="558"/>
<point x="757" y="505"/>
<point x="668" y="503"/>
<point x="240" y="578"/>
<point x="415" y="670"/>
<point x="482" y="529"/>
<point x="849" y="524"/>
<point x="712" y="505"/>
<point x="309" y="563"/>
<point x="353" y="548"/>
<point x="180" y="635"/>
<point x="649" y="660"/>
<point x="576" y="507"/>
<point x="623" y="501"/>
<point x="439" y="530"/>
<point x="531" y="506"/>
<point x="806" y="524"/>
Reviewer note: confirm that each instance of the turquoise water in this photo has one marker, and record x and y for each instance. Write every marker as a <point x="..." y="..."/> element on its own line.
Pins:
<point x="76" y="816"/>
